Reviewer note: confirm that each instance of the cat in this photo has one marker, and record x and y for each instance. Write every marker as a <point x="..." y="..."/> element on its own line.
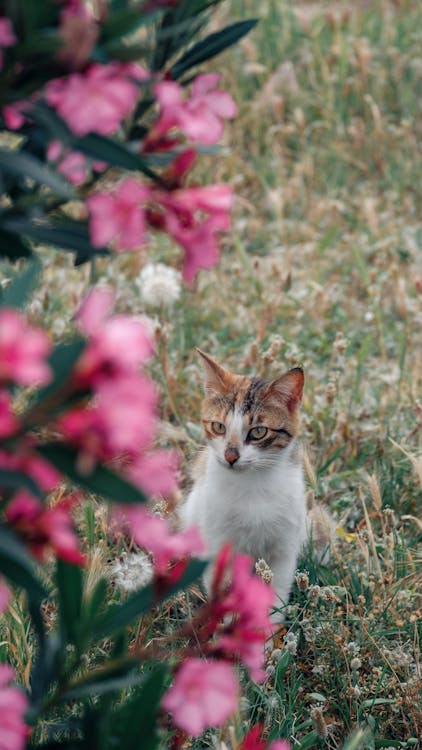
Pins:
<point x="249" y="486"/>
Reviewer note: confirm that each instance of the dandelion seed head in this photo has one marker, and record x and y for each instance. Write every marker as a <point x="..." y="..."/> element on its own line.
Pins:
<point x="132" y="572"/>
<point x="159" y="285"/>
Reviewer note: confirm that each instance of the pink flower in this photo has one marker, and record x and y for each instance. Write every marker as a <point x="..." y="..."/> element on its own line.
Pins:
<point x="119" y="217"/>
<point x="118" y="344"/>
<point x="203" y="694"/>
<point x="4" y="596"/>
<point x="13" y="705"/>
<point x="155" y="473"/>
<point x="153" y="534"/>
<point x="199" y="243"/>
<point x="7" y="36"/>
<point x="71" y="164"/>
<point x="254" y="741"/>
<point x="12" y="115"/>
<point x="79" y="32"/>
<point x="97" y="100"/>
<point x="200" y="116"/>
<point x="25" y="460"/>
<point x="182" y="219"/>
<point x="42" y="528"/>
<point x="122" y="420"/>
<point x="8" y="421"/>
<point x="249" y="599"/>
<point x="23" y="350"/>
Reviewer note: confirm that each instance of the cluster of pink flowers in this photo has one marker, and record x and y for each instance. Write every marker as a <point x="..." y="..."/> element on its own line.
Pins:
<point x="234" y="626"/>
<point x="118" y="420"/>
<point x="249" y="600"/>
<point x="121" y="218"/>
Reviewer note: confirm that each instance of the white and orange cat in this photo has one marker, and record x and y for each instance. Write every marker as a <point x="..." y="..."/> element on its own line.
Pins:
<point x="249" y="487"/>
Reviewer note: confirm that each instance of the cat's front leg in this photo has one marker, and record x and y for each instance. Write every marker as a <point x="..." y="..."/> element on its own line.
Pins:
<point x="283" y="569"/>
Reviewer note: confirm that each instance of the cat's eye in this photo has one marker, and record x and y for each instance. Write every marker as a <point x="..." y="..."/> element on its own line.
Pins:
<point x="218" y="428"/>
<point x="257" y="433"/>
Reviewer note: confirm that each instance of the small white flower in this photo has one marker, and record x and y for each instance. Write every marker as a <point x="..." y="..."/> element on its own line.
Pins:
<point x="132" y="572"/>
<point x="160" y="285"/>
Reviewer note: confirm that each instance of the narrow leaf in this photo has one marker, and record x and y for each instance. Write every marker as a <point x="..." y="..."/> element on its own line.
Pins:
<point x="70" y="588"/>
<point x="101" y="481"/>
<point x="211" y="46"/>
<point x="66" y="234"/>
<point x="17" y="293"/>
<point x="26" y="165"/>
<point x="14" y="480"/>
<point x="12" y="246"/>
<point x="120" y="615"/>
<point x="62" y="361"/>
<point x="140" y="711"/>
<point x="17" y="565"/>
<point x="108" y="680"/>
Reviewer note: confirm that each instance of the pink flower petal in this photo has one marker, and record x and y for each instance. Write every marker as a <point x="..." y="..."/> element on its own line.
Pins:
<point x="203" y="694"/>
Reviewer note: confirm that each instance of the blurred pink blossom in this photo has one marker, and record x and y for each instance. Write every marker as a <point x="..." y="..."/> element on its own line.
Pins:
<point x="7" y="36"/>
<point x="97" y="100"/>
<point x="42" y="528"/>
<point x="183" y="218"/>
<point x="4" y="596"/>
<point x="254" y="740"/>
<point x="203" y="694"/>
<point x="71" y="164"/>
<point x="249" y="599"/>
<point x="23" y="350"/>
<point x="119" y="217"/>
<point x="155" y="473"/>
<point x="25" y="460"/>
<point x="199" y="243"/>
<point x="13" y="705"/>
<point x="79" y="32"/>
<point x="200" y="116"/>
<point x="118" y="344"/>
<point x="153" y="534"/>
<point x="13" y="115"/>
<point x="8" y="421"/>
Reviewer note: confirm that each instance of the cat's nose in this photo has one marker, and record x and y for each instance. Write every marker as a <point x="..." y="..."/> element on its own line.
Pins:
<point x="231" y="454"/>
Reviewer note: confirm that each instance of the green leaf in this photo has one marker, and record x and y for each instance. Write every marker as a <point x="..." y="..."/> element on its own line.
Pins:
<point x="95" y="604"/>
<point x="114" y="153"/>
<point x="62" y="361"/>
<point x="63" y="233"/>
<point x="25" y="165"/>
<point x="104" y="680"/>
<point x="120" y="615"/>
<point x="12" y="246"/>
<point x="211" y="46"/>
<point x="140" y="711"/>
<point x="101" y="481"/>
<point x="17" y="565"/>
<point x="13" y="480"/>
<point x="96" y="147"/>
<point x="70" y="587"/>
<point x="124" y="22"/>
<point x="16" y="294"/>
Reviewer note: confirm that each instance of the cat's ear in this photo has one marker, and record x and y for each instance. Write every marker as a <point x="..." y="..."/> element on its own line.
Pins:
<point x="289" y="388"/>
<point x="216" y="377"/>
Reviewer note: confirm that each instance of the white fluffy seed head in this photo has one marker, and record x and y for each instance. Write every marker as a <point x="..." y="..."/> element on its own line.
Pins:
<point x="159" y="285"/>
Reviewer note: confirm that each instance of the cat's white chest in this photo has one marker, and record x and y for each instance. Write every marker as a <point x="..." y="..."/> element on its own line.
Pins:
<point x="261" y="512"/>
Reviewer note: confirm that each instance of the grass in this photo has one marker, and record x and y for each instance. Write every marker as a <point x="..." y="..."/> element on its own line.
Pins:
<point x="323" y="267"/>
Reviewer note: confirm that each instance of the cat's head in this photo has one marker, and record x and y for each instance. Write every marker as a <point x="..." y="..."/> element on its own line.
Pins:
<point x="248" y="422"/>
